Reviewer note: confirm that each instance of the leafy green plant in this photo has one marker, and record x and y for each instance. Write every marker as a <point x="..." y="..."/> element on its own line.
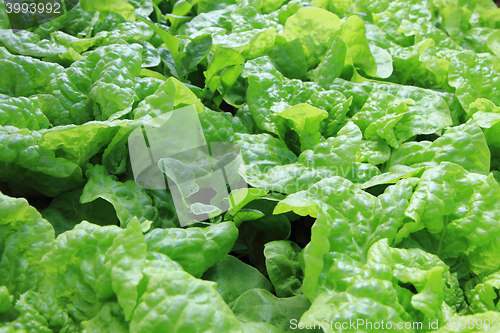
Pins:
<point x="369" y="132"/>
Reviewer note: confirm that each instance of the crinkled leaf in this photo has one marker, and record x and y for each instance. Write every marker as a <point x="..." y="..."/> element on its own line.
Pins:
<point x="128" y="199"/>
<point x="195" y="249"/>
<point x="283" y="267"/>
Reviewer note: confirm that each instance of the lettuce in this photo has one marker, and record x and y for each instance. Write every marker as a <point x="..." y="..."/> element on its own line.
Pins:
<point x="366" y="133"/>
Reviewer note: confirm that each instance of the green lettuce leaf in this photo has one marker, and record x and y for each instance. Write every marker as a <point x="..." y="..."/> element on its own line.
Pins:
<point x="458" y="209"/>
<point x="121" y="7"/>
<point x="20" y="268"/>
<point x="397" y="119"/>
<point x="23" y="113"/>
<point x="474" y="77"/>
<point x="79" y="143"/>
<point x="481" y="293"/>
<point x="234" y="278"/>
<point x="174" y="301"/>
<point x="305" y="120"/>
<point x="331" y="65"/>
<point x="24" y="163"/>
<point x="108" y="319"/>
<point x="25" y="76"/>
<point x="259" y="305"/>
<point x="100" y="85"/>
<point x="315" y="28"/>
<point x="127" y="256"/>
<point x="170" y="95"/>
<point x="377" y="290"/>
<point x="65" y="211"/>
<point x="27" y="43"/>
<point x="352" y="33"/>
<point x="195" y="249"/>
<point x="39" y="313"/>
<point x="80" y="252"/>
<point x="464" y="145"/>
<point x="283" y="267"/>
<point x="129" y="200"/>
<point x="374" y="152"/>
<point x="334" y="156"/>
<point x="288" y="57"/>
<point x="349" y="221"/>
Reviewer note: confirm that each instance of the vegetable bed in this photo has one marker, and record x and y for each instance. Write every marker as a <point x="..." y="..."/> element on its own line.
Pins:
<point x="370" y="135"/>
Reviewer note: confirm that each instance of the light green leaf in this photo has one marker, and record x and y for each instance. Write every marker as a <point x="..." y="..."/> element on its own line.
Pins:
<point x="195" y="249"/>
<point x="241" y="197"/>
<point x="23" y="113"/>
<point x="171" y="95"/>
<point x="177" y="302"/>
<point x="222" y="58"/>
<point x="481" y="293"/>
<point x="334" y="156"/>
<point x="283" y="267"/>
<point x="79" y="143"/>
<point x="121" y="7"/>
<point x="439" y="205"/>
<point x="127" y="256"/>
<point x="128" y="199"/>
<point x="352" y="33"/>
<point x="396" y="119"/>
<point x="374" y="152"/>
<point x="30" y="166"/>
<point x="315" y="28"/>
<point x="5" y="299"/>
<point x="20" y="268"/>
<point x="474" y="77"/>
<point x="305" y="120"/>
<point x="464" y="145"/>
